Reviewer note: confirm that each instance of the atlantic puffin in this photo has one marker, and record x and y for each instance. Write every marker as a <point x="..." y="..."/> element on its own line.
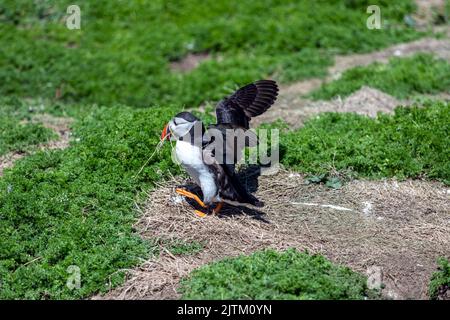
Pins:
<point x="213" y="168"/>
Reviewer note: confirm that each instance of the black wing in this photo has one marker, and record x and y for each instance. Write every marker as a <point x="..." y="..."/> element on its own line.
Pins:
<point x="247" y="102"/>
<point x="233" y="114"/>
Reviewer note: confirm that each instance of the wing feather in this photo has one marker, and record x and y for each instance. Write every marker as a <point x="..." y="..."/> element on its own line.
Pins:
<point x="234" y="113"/>
<point x="247" y="102"/>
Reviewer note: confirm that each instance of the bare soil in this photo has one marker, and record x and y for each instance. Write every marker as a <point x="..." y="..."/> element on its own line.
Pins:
<point x="296" y="110"/>
<point x="60" y="125"/>
<point x="7" y="160"/>
<point x="438" y="47"/>
<point x="189" y="62"/>
<point x="428" y="11"/>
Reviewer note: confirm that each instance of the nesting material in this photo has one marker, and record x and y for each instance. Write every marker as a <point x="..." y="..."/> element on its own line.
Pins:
<point x="405" y="230"/>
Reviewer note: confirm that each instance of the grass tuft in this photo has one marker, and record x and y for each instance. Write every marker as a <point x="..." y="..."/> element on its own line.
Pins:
<point x="388" y="146"/>
<point x="440" y="280"/>
<point x="274" y="275"/>
<point x="16" y="136"/>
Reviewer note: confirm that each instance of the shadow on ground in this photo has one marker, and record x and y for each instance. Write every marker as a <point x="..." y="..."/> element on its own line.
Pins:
<point x="248" y="176"/>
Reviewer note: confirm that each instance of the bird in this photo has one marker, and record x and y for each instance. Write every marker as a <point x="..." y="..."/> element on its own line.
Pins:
<point x="209" y="155"/>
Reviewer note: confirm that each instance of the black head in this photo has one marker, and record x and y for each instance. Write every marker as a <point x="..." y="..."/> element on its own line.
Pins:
<point x="187" y="116"/>
<point x="183" y="126"/>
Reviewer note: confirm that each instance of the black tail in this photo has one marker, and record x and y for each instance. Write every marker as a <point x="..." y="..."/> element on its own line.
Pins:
<point x="239" y="193"/>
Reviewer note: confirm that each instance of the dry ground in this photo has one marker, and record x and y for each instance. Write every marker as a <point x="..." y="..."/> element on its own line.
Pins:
<point x="295" y="110"/>
<point x="400" y="227"/>
<point x="189" y="62"/>
<point x="427" y="10"/>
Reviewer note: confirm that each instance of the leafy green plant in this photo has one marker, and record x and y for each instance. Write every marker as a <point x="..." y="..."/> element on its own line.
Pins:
<point x="274" y="275"/>
<point x="122" y="53"/>
<point x="181" y="247"/>
<point x="414" y="142"/>
<point x="440" y="280"/>
<point x="76" y="206"/>
<point x="329" y="181"/>
<point x="15" y="136"/>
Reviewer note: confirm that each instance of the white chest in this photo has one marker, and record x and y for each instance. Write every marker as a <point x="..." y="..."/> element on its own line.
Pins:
<point x="190" y="157"/>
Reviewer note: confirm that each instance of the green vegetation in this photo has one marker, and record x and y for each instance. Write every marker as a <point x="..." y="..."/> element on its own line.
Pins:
<point x="76" y="206"/>
<point x="15" y="136"/>
<point x="326" y="178"/>
<point x="122" y="52"/>
<point x="440" y="279"/>
<point x="388" y="146"/>
<point x="17" y="133"/>
<point x="401" y="77"/>
<point x="181" y="247"/>
<point x="272" y="275"/>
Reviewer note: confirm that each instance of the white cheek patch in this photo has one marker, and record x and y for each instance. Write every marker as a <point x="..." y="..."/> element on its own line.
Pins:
<point x="180" y="130"/>
<point x="178" y="121"/>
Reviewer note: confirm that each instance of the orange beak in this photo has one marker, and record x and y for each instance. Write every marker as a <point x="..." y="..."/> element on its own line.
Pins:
<point x="165" y="133"/>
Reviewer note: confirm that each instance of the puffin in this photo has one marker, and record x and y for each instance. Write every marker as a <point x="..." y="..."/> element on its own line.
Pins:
<point x="209" y="155"/>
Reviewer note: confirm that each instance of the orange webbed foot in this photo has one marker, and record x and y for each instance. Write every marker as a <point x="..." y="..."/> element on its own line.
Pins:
<point x="199" y="213"/>
<point x="190" y="195"/>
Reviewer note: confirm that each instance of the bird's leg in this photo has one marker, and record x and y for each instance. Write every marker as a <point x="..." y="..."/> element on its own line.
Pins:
<point x="213" y="211"/>
<point x="190" y="195"/>
<point x="218" y="208"/>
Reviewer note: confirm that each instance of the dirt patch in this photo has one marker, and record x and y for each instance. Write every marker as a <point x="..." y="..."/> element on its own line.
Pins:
<point x="428" y="12"/>
<point x="300" y="88"/>
<point x="61" y="126"/>
<point x="399" y="228"/>
<point x="442" y="96"/>
<point x="295" y="109"/>
<point x="443" y="292"/>
<point x="7" y="160"/>
<point x="189" y="62"/>
<point x="440" y="48"/>
<point x="365" y="101"/>
<point x="368" y="101"/>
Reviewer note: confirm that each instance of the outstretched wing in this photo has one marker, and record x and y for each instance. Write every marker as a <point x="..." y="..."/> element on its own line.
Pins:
<point x="227" y="139"/>
<point x="247" y="102"/>
<point x="233" y="116"/>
